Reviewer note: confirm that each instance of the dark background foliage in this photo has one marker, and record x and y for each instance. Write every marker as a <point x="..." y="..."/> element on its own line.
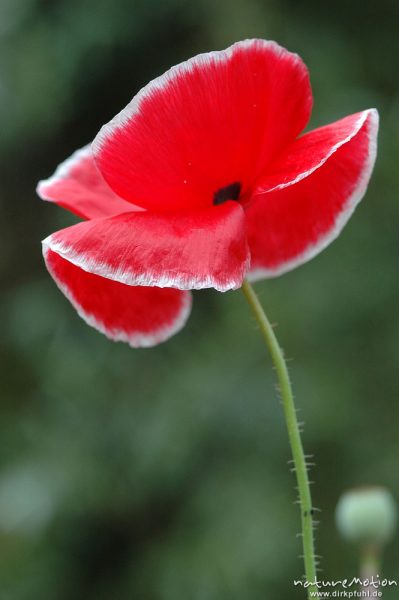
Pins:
<point x="162" y="474"/>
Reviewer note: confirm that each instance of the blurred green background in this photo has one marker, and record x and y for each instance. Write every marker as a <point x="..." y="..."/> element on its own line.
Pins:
<point x="162" y="474"/>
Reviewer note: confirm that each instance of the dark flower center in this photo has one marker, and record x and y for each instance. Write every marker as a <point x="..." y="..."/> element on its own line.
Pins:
<point x="229" y="192"/>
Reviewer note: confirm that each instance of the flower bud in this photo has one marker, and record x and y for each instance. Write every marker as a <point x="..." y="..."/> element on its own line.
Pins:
<point x="367" y="515"/>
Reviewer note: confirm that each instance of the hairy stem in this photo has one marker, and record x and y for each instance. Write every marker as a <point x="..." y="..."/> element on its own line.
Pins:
<point x="293" y="432"/>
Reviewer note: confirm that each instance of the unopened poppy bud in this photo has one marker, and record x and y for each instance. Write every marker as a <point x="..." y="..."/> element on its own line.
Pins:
<point x="367" y="515"/>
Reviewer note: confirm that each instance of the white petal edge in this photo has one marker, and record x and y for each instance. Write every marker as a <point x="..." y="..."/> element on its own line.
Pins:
<point x="359" y="124"/>
<point x="62" y="172"/>
<point x="159" y="83"/>
<point x="341" y="220"/>
<point x="149" y="278"/>
<point x="136" y="340"/>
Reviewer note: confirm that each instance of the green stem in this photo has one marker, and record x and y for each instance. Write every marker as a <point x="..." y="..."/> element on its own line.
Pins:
<point x="293" y="432"/>
<point x="370" y="566"/>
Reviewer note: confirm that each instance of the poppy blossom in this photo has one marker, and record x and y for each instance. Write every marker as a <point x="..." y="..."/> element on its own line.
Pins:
<point x="204" y="178"/>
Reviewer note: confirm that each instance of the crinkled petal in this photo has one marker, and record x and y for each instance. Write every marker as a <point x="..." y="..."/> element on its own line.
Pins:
<point x="140" y="316"/>
<point x="214" y="120"/>
<point x="310" y="152"/>
<point x="187" y="250"/>
<point x="290" y="226"/>
<point x="78" y="186"/>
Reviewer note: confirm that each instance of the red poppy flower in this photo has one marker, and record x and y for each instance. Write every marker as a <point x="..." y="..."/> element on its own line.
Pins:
<point x="200" y="181"/>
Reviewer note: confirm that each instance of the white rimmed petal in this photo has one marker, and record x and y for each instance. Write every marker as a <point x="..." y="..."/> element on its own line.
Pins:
<point x="213" y="120"/>
<point x="188" y="250"/>
<point x="78" y="186"/>
<point x="139" y="316"/>
<point x="310" y="151"/>
<point x="290" y="226"/>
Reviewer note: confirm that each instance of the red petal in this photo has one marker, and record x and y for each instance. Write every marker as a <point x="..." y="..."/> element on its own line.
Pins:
<point x="189" y="250"/>
<point x="214" y="120"/>
<point x="290" y="226"/>
<point x="78" y="186"/>
<point x="309" y="152"/>
<point x="140" y="316"/>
